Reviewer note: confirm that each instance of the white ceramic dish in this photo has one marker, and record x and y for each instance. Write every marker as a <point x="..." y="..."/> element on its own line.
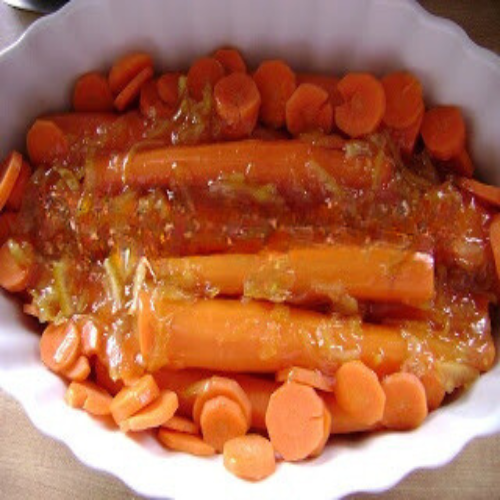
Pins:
<point x="330" y="35"/>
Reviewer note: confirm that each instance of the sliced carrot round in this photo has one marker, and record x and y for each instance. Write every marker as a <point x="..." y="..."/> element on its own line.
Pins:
<point x="126" y="69"/>
<point x="151" y="104"/>
<point x="46" y="142"/>
<point x="313" y="378"/>
<point x="92" y="93"/>
<point x="91" y="336"/>
<point x="181" y="424"/>
<point x="462" y="164"/>
<point x="327" y="429"/>
<point x="14" y="275"/>
<point x="131" y="92"/>
<point x="60" y="346"/>
<point x="406" y="138"/>
<point x="9" y="174"/>
<point x="78" y="371"/>
<point x="250" y="457"/>
<point x="187" y="443"/>
<point x="203" y="74"/>
<point x="231" y="60"/>
<point x="326" y="82"/>
<point x="363" y="107"/>
<point x="434" y="389"/>
<point x="168" y="88"/>
<point x="89" y="397"/>
<point x="17" y="194"/>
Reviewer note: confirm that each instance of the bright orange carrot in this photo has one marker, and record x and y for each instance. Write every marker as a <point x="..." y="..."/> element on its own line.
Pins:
<point x="75" y="395"/>
<point x="127" y="96"/>
<point x="237" y="102"/>
<point x="434" y="389"/>
<point x="9" y="173"/>
<point x="406" y="138"/>
<point x="343" y="422"/>
<point x="7" y="224"/>
<point x="126" y="69"/>
<point x="309" y="109"/>
<point x="327" y="426"/>
<point x="484" y="192"/>
<point x="358" y="392"/>
<point x="92" y="93"/>
<point x="328" y="83"/>
<point x="404" y="100"/>
<point x="181" y="424"/>
<point x="104" y="380"/>
<point x="250" y="457"/>
<point x="231" y="60"/>
<point x="46" y="142"/>
<point x="443" y="132"/>
<point x="168" y="88"/>
<point x="89" y="397"/>
<point x="154" y="415"/>
<point x="276" y="83"/>
<point x="76" y="125"/>
<point x="495" y="242"/>
<point x="295" y="421"/>
<point x="151" y="104"/>
<point x="364" y="104"/>
<point x="187" y="443"/>
<point x="221" y="386"/>
<point x="17" y="194"/>
<point x="406" y="403"/>
<point x="15" y="273"/>
<point x="203" y="74"/>
<point x="91" y="337"/>
<point x="461" y="164"/>
<point x="78" y="371"/>
<point x="312" y="378"/>
<point x="60" y="346"/>
<point x="221" y="420"/>
<point x="132" y="399"/>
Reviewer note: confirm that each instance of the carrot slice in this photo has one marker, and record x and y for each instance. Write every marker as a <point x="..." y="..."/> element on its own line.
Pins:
<point x="127" y="96"/>
<point x="17" y="194"/>
<point x="495" y="242"/>
<point x="276" y="83"/>
<point x="295" y="421"/>
<point x="78" y="371"/>
<point x="60" y="346"/>
<point x="151" y="104"/>
<point x="155" y="414"/>
<point x="237" y="102"/>
<point x="231" y="60"/>
<point x="312" y="378"/>
<point x="364" y="104"/>
<point x="7" y="223"/>
<point x="309" y="109"/>
<point x="327" y="426"/>
<point x="221" y="386"/>
<point x="221" y="420"/>
<point x="92" y="93"/>
<point x="204" y="73"/>
<point x="404" y="100"/>
<point x="132" y="399"/>
<point x="91" y="338"/>
<point x="126" y="69"/>
<point x="406" y="138"/>
<point x="168" y="88"/>
<point x="14" y="275"/>
<point x="89" y="397"/>
<point x="434" y="389"/>
<point x="343" y="422"/>
<point x="462" y="164"/>
<point x="9" y="173"/>
<point x="46" y="142"/>
<point x="406" y="403"/>
<point x="358" y="392"/>
<point x="181" y="424"/>
<point x="484" y="192"/>
<point x="187" y="443"/>
<point x="328" y="83"/>
<point x="250" y="457"/>
<point x="443" y="132"/>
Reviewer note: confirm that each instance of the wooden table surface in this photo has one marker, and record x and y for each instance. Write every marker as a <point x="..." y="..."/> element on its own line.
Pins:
<point x="33" y="466"/>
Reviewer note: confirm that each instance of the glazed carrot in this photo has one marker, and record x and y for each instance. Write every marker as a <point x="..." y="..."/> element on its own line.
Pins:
<point x="104" y="380"/>
<point x="126" y="69"/>
<point x="221" y="386"/>
<point x="343" y="422"/>
<point x="181" y="424"/>
<point x="222" y="419"/>
<point x="443" y="132"/>
<point x="91" y="337"/>
<point x="7" y="223"/>
<point x="60" y="346"/>
<point x="312" y="378"/>
<point x="9" y="173"/>
<point x="328" y="83"/>
<point x="434" y="389"/>
<point x="78" y="371"/>
<point x="237" y="102"/>
<point x="295" y="421"/>
<point x="462" y="164"/>
<point x="132" y="399"/>
<point x="406" y="403"/>
<point x="187" y="443"/>
<point x="231" y="60"/>
<point x="406" y="138"/>
<point x="151" y="104"/>
<point x="17" y="194"/>
<point x="46" y="142"/>
<point x="276" y="83"/>
<point x="127" y="96"/>
<point x="154" y="415"/>
<point x="404" y="100"/>
<point x="92" y="93"/>
<point x="14" y="274"/>
<point x="288" y="165"/>
<point x="89" y="397"/>
<point x="378" y="272"/>
<point x="309" y="109"/>
<point x="364" y="104"/>
<point x="203" y="74"/>
<point x="250" y="457"/>
<point x="168" y="88"/>
<point x="76" y="125"/>
<point x="484" y="192"/>
<point x="495" y="242"/>
<point x="327" y="426"/>
<point x="359" y="393"/>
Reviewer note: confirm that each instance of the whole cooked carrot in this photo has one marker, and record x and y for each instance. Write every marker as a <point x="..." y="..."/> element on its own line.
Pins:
<point x="326" y="82"/>
<point x="15" y="270"/>
<point x="128" y="95"/>
<point x="406" y="403"/>
<point x="237" y="102"/>
<point x="46" y="142"/>
<point x="168" y="88"/>
<point x="484" y="192"/>
<point x="406" y="138"/>
<point x="60" y="346"/>
<point x="309" y="109"/>
<point x="364" y="104"/>
<point x="9" y="173"/>
<point x="359" y="393"/>
<point x="92" y="93"/>
<point x="187" y="443"/>
<point x="288" y="165"/>
<point x="312" y="378"/>
<point x="295" y="421"/>
<point x="443" y="132"/>
<point x="126" y="68"/>
<point x="495" y="242"/>
<point x="151" y="104"/>
<point x="404" y="100"/>
<point x="78" y="371"/>
<point x="181" y="424"/>
<point x="276" y="83"/>
<point x="203" y="74"/>
<point x="17" y="194"/>
<point x="231" y="60"/>
<point x="7" y="224"/>
<point x="434" y="389"/>
<point x="250" y="457"/>
<point x="89" y="397"/>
